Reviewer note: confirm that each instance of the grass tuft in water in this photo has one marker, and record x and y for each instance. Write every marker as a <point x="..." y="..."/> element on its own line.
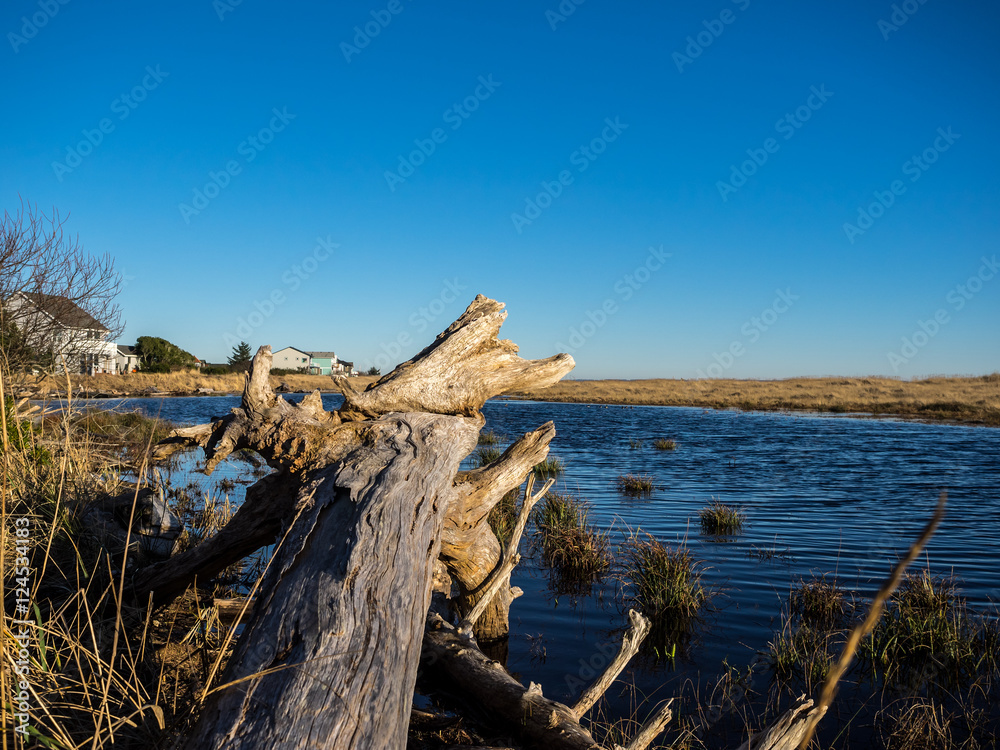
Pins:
<point x="663" y="444"/>
<point x="719" y="518"/>
<point x="490" y="437"/>
<point x="485" y="456"/>
<point x="634" y="444"/>
<point x="665" y="583"/>
<point x="802" y="650"/>
<point x="927" y="626"/>
<point x="820" y="602"/>
<point x="503" y="515"/>
<point x="635" y="484"/>
<point x="550" y="467"/>
<point x="568" y="542"/>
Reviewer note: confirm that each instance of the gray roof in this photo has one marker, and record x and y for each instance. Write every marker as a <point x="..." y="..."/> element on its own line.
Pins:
<point x="63" y="311"/>
<point x="127" y="350"/>
<point x="323" y="355"/>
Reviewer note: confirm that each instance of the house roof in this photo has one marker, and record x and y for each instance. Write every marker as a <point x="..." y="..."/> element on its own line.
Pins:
<point x="63" y="311"/>
<point x="323" y="355"/>
<point x="300" y="351"/>
<point x="127" y="350"/>
<point x="345" y="363"/>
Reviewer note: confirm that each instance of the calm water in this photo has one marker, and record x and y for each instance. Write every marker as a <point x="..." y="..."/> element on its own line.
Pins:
<point x="831" y="493"/>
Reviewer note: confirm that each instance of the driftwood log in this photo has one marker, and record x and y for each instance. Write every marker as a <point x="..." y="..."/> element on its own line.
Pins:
<point x="370" y="515"/>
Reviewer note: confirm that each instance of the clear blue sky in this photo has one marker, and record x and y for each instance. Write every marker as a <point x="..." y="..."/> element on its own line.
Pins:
<point x="566" y="146"/>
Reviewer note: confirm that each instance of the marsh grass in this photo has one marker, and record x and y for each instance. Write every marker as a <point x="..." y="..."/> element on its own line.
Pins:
<point x="803" y="650"/>
<point x="636" y="485"/>
<point x="971" y="399"/>
<point x="550" y="467"/>
<point x="503" y="515"/>
<point x="721" y="519"/>
<point x="106" y="436"/>
<point x="820" y="602"/>
<point x="928" y="626"/>
<point x="663" y="582"/>
<point x="103" y="670"/>
<point x="814" y="627"/>
<point x="486" y="455"/>
<point x="634" y="444"/>
<point x="923" y="724"/>
<point x="490" y="437"/>
<point x="663" y="444"/>
<point x="767" y="554"/>
<point x="568" y="541"/>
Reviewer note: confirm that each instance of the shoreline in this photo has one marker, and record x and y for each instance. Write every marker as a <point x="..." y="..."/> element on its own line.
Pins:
<point x="968" y="401"/>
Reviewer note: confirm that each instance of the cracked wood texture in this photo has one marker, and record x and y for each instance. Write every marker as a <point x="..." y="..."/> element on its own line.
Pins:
<point x="465" y="366"/>
<point x="329" y="658"/>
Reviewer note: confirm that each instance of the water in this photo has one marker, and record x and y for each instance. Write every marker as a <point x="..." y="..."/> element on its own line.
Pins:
<point x="831" y="493"/>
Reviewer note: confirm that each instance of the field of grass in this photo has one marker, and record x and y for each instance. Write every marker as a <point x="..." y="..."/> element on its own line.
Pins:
<point x="182" y="383"/>
<point x="974" y="400"/>
<point x="961" y="399"/>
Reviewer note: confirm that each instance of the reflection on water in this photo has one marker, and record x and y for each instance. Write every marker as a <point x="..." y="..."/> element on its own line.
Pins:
<point x="821" y="494"/>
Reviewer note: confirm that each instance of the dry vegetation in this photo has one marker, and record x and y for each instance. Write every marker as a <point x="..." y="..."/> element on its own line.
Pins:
<point x="187" y="381"/>
<point x="974" y="400"/>
<point x="963" y="399"/>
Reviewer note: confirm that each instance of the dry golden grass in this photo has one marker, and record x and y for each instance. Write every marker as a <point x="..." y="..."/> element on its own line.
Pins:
<point x="969" y="399"/>
<point x="964" y="399"/>
<point x="188" y="381"/>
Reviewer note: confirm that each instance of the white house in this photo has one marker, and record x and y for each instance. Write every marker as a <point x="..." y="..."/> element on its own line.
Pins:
<point x="127" y="359"/>
<point x="315" y="363"/>
<point x="55" y="323"/>
<point x="290" y="358"/>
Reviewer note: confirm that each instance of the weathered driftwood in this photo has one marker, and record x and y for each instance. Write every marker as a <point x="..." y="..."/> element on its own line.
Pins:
<point x="452" y="660"/>
<point x="465" y="366"/>
<point x="638" y="629"/>
<point x="330" y="655"/>
<point x="500" y="578"/>
<point x="469" y="547"/>
<point x="788" y="730"/>
<point x="484" y="687"/>
<point x="269" y="503"/>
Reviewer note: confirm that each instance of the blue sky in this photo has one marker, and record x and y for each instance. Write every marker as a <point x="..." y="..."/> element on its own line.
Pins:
<point x="725" y="188"/>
